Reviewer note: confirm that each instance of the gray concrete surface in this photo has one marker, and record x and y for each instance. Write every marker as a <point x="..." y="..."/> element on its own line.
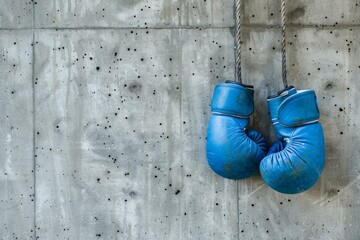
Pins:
<point x="105" y="107"/>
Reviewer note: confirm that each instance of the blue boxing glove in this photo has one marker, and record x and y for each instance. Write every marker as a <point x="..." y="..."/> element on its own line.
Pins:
<point x="232" y="151"/>
<point x="294" y="164"/>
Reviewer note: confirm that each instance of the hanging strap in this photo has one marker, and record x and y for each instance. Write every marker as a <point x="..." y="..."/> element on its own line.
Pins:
<point x="238" y="42"/>
<point x="283" y="43"/>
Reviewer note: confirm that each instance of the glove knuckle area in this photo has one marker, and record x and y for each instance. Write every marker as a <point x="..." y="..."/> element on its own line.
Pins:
<point x="234" y="159"/>
<point x="258" y="139"/>
<point x="291" y="171"/>
<point x="255" y="136"/>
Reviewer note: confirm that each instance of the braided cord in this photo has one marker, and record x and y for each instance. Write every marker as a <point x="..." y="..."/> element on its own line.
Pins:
<point x="283" y="43"/>
<point x="238" y="42"/>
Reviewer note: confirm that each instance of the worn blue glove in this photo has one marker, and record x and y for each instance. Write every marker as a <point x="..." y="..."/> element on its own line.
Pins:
<point x="294" y="164"/>
<point x="232" y="151"/>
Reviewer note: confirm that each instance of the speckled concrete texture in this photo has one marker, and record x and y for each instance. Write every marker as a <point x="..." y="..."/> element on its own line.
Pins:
<point x="104" y="112"/>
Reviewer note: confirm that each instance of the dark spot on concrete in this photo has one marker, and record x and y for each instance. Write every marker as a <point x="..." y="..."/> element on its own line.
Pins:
<point x="329" y="86"/>
<point x="332" y="192"/>
<point x="177" y="192"/>
<point x="135" y="87"/>
<point x="296" y="13"/>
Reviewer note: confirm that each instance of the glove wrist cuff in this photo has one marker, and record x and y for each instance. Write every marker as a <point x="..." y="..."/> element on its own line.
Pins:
<point x="296" y="109"/>
<point x="233" y="99"/>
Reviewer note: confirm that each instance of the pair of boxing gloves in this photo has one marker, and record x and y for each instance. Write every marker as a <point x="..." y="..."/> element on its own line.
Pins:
<point x="293" y="164"/>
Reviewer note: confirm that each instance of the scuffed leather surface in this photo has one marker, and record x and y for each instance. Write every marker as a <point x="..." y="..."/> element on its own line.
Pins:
<point x="294" y="164"/>
<point x="233" y="99"/>
<point x="233" y="152"/>
<point x="292" y="112"/>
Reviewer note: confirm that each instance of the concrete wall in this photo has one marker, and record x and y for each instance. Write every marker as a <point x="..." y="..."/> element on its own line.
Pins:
<point x="105" y="107"/>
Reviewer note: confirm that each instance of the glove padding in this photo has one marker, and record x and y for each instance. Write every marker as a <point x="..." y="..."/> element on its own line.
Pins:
<point x="232" y="151"/>
<point x="294" y="164"/>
